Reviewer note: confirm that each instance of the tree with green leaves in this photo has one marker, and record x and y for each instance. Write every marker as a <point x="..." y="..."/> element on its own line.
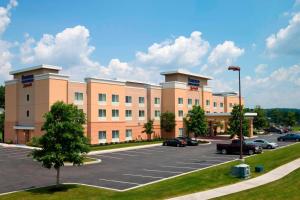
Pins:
<point x="148" y="128"/>
<point x="167" y="121"/>
<point x="260" y="121"/>
<point x="2" y="96"/>
<point x="2" y="126"/>
<point x="195" y="121"/>
<point x="64" y="139"/>
<point x="290" y="119"/>
<point x="234" y="122"/>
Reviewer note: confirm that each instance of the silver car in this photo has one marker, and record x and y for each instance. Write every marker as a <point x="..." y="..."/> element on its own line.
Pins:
<point x="265" y="144"/>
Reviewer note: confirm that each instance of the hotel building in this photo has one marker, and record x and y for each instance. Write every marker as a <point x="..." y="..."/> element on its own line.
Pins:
<point x="116" y="110"/>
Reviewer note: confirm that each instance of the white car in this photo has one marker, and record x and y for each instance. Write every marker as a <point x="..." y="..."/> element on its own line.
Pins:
<point x="265" y="144"/>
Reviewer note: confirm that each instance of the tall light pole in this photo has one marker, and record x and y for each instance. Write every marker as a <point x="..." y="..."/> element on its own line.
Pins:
<point x="236" y="68"/>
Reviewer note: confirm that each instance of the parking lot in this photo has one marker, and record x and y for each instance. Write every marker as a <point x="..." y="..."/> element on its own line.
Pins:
<point x="118" y="171"/>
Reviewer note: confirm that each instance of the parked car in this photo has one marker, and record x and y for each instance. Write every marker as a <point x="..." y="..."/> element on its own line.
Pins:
<point x="234" y="147"/>
<point x="273" y="129"/>
<point x="189" y="141"/>
<point x="265" y="144"/>
<point x="176" y="142"/>
<point x="289" y="137"/>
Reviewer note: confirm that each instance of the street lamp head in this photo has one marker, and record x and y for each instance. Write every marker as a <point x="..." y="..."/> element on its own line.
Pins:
<point x="234" y="68"/>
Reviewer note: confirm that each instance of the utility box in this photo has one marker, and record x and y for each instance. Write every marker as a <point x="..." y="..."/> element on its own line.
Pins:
<point x="259" y="168"/>
<point x="241" y="171"/>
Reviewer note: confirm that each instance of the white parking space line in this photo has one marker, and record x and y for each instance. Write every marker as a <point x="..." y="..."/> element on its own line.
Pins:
<point x="152" y="150"/>
<point x="116" y="181"/>
<point x="169" y="166"/>
<point x="138" y="175"/>
<point x="154" y="170"/>
<point x="124" y="154"/>
<point x="106" y="156"/>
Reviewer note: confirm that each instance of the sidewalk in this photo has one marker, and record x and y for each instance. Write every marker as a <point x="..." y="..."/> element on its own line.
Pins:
<point x="271" y="176"/>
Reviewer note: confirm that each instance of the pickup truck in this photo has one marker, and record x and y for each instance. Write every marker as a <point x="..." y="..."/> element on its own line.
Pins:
<point x="234" y="147"/>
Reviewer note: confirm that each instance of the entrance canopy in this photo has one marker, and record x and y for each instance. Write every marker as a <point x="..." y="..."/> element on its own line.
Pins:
<point x="23" y="127"/>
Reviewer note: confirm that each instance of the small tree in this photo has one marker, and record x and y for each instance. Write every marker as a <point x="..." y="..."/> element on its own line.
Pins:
<point x="234" y="122"/>
<point x="290" y="119"/>
<point x="64" y="140"/>
<point x="2" y="96"/>
<point x="167" y="121"/>
<point x="195" y="121"/>
<point x="148" y="128"/>
<point x="260" y="121"/>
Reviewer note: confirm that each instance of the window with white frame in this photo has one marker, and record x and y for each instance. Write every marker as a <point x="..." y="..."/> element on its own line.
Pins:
<point x="180" y="113"/>
<point x="141" y="113"/>
<point x="102" y="136"/>
<point x="215" y="104"/>
<point x="156" y="101"/>
<point x="115" y="98"/>
<point x="221" y="105"/>
<point x="115" y="136"/>
<point x="180" y="132"/>
<point x="207" y="102"/>
<point x="180" y="101"/>
<point x="115" y="113"/>
<point x="102" y="97"/>
<point x="128" y="113"/>
<point x="190" y="102"/>
<point x="197" y="102"/>
<point x="128" y="99"/>
<point x="102" y="113"/>
<point x="78" y="96"/>
<point x="128" y="134"/>
<point x="157" y="114"/>
<point x="141" y="100"/>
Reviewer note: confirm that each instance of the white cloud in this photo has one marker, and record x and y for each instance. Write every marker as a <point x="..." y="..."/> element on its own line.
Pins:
<point x="261" y="68"/>
<point x="5" y="54"/>
<point x="221" y="56"/>
<point x="279" y="89"/>
<point x="286" y="40"/>
<point x="182" y="52"/>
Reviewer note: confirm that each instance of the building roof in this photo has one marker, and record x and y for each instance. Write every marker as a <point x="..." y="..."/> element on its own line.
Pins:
<point x="186" y="73"/>
<point x="223" y="94"/>
<point x="43" y="66"/>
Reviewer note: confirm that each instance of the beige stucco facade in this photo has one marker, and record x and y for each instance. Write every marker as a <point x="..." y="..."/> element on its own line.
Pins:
<point x="116" y="110"/>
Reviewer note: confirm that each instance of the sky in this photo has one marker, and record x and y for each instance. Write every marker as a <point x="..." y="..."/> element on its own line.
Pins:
<point x="136" y="40"/>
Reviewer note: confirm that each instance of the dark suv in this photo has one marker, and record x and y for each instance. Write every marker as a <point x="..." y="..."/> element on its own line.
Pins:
<point x="189" y="141"/>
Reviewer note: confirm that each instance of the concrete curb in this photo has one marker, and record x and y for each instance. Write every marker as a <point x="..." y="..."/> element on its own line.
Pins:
<point x="18" y="146"/>
<point x="123" y="149"/>
<point x="86" y="163"/>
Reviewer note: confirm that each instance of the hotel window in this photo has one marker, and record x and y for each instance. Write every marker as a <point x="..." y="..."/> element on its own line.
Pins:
<point x="27" y="113"/>
<point x="115" y="136"/>
<point x="128" y="113"/>
<point x="180" y="113"/>
<point x="180" y="100"/>
<point x="156" y="100"/>
<point x="27" y="97"/>
<point x="115" y="98"/>
<point x="157" y="113"/>
<point x="102" y="135"/>
<point x="215" y="104"/>
<point x="190" y="102"/>
<point x="102" y="97"/>
<point x="197" y="102"/>
<point x="180" y="134"/>
<point x="221" y="105"/>
<point x="128" y="134"/>
<point x="128" y="99"/>
<point x="207" y="102"/>
<point x="141" y="100"/>
<point x="78" y="96"/>
<point x="141" y="113"/>
<point x="102" y="113"/>
<point x="115" y="113"/>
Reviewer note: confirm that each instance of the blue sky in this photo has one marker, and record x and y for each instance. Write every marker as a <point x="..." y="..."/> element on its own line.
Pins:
<point x="138" y="39"/>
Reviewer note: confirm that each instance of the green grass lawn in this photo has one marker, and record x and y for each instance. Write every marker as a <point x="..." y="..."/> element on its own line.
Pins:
<point x="122" y="145"/>
<point x="285" y="188"/>
<point x="296" y="128"/>
<point x="197" y="181"/>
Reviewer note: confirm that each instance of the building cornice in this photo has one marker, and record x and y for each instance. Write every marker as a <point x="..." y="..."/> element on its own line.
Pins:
<point x="107" y="81"/>
<point x="174" y="84"/>
<point x="43" y="66"/>
<point x="51" y="76"/>
<point x="11" y="82"/>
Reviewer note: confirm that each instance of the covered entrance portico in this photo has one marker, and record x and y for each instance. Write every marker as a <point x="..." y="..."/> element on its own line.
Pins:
<point x="23" y="134"/>
<point x="218" y="122"/>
